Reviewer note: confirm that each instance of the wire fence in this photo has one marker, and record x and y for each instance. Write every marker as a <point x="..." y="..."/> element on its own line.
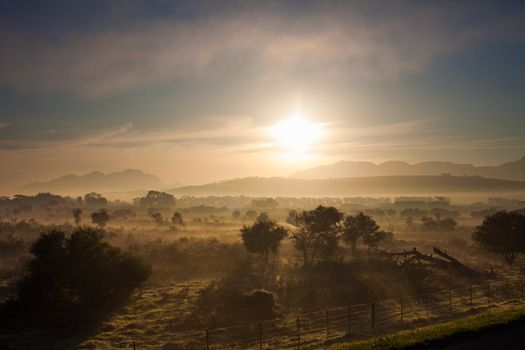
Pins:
<point x="314" y="329"/>
<point x="322" y="328"/>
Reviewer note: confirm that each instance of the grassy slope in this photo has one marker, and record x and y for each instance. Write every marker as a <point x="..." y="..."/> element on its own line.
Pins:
<point x="439" y="332"/>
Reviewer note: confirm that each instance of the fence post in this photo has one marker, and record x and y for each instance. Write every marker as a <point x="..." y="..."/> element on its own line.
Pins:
<point x="507" y="288"/>
<point x="488" y="293"/>
<point x="298" y="333"/>
<point x="521" y="288"/>
<point x="349" y="319"/>
<point x="207" y="339"/>
<point x="327" y="326"/>
<point x="449" y="301"/>
<point x="373" y="316"/>
<point x="134" y="345"/>
<point x="260" y="336"/>
<point x="402" y="309"/>
<point x="427" y="304"/>
<point x="470" y="296"/>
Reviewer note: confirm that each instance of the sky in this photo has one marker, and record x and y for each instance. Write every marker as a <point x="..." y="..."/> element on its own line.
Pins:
<point x="193" y="91"/>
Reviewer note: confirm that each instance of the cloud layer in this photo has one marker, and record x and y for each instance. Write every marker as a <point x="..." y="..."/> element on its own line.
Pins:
<point x="340" y="40"/>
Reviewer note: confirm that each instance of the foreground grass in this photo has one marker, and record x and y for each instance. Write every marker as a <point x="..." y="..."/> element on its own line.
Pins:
<point x="440" y="332"/>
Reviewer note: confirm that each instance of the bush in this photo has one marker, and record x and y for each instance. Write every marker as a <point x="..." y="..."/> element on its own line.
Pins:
<point x="75" y="280"/>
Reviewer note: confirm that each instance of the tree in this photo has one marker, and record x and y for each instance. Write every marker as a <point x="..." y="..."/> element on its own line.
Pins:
<point x="376" y="238"/>
<point x="74" y="279"/>
<point x="316" y="232"/>
<point x="94" y="199"/>
<point x="361" y="227"/>
<point x="502" y="233"/>
<point x="100" y="217"/>
<point x="251" y="214"/>
<point x="264" y="203"/>
<point x="176" y="220"/>
<point x="263" y="237"/>
<point x="157" y="217"/>
<point x="157" y="199"/>
<point x="236" y="214"/>
<point x="438" y="224"/>
<point x="448" y="224"/>
<point x="77" y="213"/>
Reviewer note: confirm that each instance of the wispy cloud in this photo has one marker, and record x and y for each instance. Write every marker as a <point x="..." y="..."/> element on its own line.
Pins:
<point x="233" y="132"/>
<point x="345" y="40"/>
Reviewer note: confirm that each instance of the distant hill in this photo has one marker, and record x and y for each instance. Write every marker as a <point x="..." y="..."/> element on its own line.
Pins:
<point x="356" y="186"/>
<point x="507" y="171"/>
<point x="127" y="180"/>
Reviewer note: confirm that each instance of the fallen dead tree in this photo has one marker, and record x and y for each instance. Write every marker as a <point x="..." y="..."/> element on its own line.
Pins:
<point x="442" y="261"/>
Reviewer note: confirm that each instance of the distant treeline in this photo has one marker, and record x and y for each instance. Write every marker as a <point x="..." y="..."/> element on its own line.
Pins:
<point x="159" y="201"/>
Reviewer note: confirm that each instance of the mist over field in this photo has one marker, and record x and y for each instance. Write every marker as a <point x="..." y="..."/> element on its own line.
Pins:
<point x="251" y="175"/>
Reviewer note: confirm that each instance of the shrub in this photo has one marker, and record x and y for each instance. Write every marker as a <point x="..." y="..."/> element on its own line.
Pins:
<point x="76" y="279"/>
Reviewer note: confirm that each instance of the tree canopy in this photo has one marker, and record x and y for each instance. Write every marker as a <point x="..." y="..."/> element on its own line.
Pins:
<point x="75" y="278"/>
<point x="156" y="199"/>
<point x="100" y="217"/>
<point x="316" y="232"/>
<point x="264" y="236"/>
<point x="502" y="233"/>
<point x="94" y="199"/>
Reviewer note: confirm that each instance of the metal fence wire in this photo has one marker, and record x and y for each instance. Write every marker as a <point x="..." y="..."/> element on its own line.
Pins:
<point x="314" y="329"/>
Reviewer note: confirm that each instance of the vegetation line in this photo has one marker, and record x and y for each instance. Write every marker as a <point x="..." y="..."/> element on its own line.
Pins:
<point x="425" y="336"/>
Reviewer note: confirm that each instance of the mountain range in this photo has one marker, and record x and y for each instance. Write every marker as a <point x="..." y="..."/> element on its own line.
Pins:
<point x="345" y="178"/>
<point x="127" y="180"/>
<point x="354" y="186"/>
<point x="506" y="171"/>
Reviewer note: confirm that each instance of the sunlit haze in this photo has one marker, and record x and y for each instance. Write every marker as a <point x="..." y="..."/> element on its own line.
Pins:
<point x="241" y="175"/>
<point x="296" y="134"/>
<point x="207" y="91"/>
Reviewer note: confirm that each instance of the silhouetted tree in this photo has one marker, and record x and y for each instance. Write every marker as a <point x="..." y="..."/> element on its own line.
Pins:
<point x="316" y="233"/>
<point x="77" y="213"/>
<point x="448" y="224"/>
<point x="176" y="220"/>
<point x="263" y="237"/>
<point x="72" y="280"/>
<point x="157" y="217"/>
<point x="438" y="224"/>
<point x="94" y="199"/>
<point x="100" y="217"/>
<point x="373" y="239"/>
<point x="361" y="227"/>
<point x="264" y="203"/>
<point x="502" y="233"/>
<point x="157" y="199"/>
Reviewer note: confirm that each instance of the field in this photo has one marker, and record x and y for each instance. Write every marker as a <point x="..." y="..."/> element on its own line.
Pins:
<point x="202" y="273"/>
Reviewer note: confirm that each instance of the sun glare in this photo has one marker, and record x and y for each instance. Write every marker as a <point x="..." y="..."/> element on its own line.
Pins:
<point x="296" y="133"/>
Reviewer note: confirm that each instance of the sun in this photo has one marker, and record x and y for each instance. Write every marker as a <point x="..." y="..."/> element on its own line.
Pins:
<point x="296" y="133"/>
